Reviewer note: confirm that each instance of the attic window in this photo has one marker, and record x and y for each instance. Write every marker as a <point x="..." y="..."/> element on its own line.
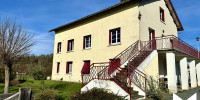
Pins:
<point x="162" y="15"/>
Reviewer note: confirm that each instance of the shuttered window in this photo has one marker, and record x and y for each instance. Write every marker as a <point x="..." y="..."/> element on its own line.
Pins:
<point x="70" y="46"/>
<point x="58" y="67"/>
<point x="68" y="67"/>
<point x="87" y="42"/>
<point x="59" y="47"/>
<point x="162" y="15"/>
<point x="114" y="36"/>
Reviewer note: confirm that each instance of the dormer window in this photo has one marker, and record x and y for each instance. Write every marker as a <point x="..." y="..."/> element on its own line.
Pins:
<point x="162" y="15"/>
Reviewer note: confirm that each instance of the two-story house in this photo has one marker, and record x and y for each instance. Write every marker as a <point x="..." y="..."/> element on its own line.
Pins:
<point x="121" y="46"/>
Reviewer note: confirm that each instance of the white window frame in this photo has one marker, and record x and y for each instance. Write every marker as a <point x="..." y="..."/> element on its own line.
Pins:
<point x="71" y="45"/>
<point x="59" y="47"/>
<point x="90" y="42"/>
<point x="162" y="13"/>
<point x="70" y="66"/>
<point x="116" y="30"/>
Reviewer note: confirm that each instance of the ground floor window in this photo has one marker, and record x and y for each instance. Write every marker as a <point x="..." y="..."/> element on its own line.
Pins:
<point x="69" y="67"/>
<point x="58" y="67"/>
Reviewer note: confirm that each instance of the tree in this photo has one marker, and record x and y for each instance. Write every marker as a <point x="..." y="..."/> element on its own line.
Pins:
<point x="14" y="42"/>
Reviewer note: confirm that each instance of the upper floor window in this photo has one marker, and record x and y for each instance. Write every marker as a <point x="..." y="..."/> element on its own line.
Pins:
<point x="114" y="36"/>
<point x="87" y="42"/>
<point x="58" y="67"/>
<point x="69" y="67"/>
<point x="162" y="15"/>
<point x="59" y="47"/>
<point x="70" y="46"/>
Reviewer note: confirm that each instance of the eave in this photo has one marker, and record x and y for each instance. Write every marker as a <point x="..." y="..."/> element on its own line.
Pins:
<point x="174" y="15"/>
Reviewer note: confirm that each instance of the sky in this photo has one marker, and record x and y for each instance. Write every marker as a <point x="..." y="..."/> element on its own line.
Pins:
<point x="40" y="16"/>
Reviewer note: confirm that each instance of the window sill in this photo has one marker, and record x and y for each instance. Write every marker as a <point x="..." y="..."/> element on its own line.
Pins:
<point x="69" y="74"/>
<point x="87" y="49"/>
<point x="58" y="53"/>
<point x="114" y="44"/>
<point x="70" y="51"/>
<point x="57" y="74"/>
<point x="163" y="22"/>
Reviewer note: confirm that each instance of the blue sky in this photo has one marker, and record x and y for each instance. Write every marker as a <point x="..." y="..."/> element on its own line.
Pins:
<point x="39" y="16"/>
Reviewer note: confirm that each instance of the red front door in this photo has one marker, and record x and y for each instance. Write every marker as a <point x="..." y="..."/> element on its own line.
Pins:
<point x="152" y="38"/>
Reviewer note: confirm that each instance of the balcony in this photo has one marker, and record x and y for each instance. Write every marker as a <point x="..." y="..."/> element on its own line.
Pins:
<point x="172" y="42"/>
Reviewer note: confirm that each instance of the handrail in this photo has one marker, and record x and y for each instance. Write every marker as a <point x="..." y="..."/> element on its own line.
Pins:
<point x="126" y="54"/>
<point x="109" y="77"/>
<point x="94" y="70"/>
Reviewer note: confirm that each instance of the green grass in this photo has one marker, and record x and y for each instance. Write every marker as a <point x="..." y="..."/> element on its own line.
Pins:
<point x="65" y="89"/>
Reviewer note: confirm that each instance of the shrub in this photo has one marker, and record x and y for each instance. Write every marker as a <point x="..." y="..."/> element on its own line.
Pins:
<point x="38" y="73"/>
<point x="14" y="83"/>
<point x="154" y="89"/>
<point x="47" y="94"/>
<point x="96" y="94"/>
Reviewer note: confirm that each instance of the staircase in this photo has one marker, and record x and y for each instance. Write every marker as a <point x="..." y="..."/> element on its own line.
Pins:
<point x="125" y="75"/>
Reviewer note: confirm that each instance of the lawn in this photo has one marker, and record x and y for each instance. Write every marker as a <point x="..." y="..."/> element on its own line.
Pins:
<point x="65" y="89"/>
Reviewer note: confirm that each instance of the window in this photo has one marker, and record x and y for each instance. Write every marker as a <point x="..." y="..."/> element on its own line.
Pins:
<point x="162" y="15"/>
<point x="87" y="42"/>
<point x="58" y="67"/>
<point x="59" y="47"/>
<point x="114" y="36"/>
<point x="70" y="46"/>
<point x="86" y="68"/>
<point x="69" y="67"/>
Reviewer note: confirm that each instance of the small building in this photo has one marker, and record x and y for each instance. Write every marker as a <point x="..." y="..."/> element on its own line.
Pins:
<point x="119" y="47"/>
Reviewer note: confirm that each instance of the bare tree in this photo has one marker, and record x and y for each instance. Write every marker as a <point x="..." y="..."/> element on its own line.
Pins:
<point x="14" y="42"/>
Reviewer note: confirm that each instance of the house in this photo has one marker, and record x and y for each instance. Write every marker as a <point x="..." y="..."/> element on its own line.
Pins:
<point x="119" y="47"/>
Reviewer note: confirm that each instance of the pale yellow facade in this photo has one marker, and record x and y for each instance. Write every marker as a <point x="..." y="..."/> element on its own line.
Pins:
<point x="149" y="10"/>
<point x="126" y="18"/>
<point x="132" y="29"/>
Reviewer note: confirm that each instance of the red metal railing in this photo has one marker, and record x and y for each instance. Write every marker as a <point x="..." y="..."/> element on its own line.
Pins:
<point x="122" y="77"/>
<point x="175" y="43"/>
<point x="128" y="53"/>
<point x="95" y="68"/>
<point x="139" y="79"/>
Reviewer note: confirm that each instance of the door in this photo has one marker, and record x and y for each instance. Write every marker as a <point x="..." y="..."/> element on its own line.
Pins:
<point x="152" y="38"/>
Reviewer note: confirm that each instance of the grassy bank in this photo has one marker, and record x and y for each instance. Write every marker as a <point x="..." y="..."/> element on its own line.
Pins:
<point x="65" y="89"/>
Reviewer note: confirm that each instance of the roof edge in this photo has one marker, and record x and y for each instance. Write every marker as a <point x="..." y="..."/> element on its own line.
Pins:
<point x="91" y="15"/>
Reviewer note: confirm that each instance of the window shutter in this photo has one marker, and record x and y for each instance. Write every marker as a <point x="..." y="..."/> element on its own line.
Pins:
<point x="58" y="48"/>
<point x="109" y="37"/>
<point x="67" y="68"/>
<point x="58" y="65"/>
<point x="83" y="42"/>
<point x="86" y="68"/>
<point x="163" y="15"/>
<point x="68" y="45"/>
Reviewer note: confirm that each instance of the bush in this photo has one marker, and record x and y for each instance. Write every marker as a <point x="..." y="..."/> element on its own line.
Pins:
<point x="154" y="89"/>
<point x="38" y="73"/>
<point x="14" y="83"/>
<point x="47" y="94"/>
<point x="96" y="94"/>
